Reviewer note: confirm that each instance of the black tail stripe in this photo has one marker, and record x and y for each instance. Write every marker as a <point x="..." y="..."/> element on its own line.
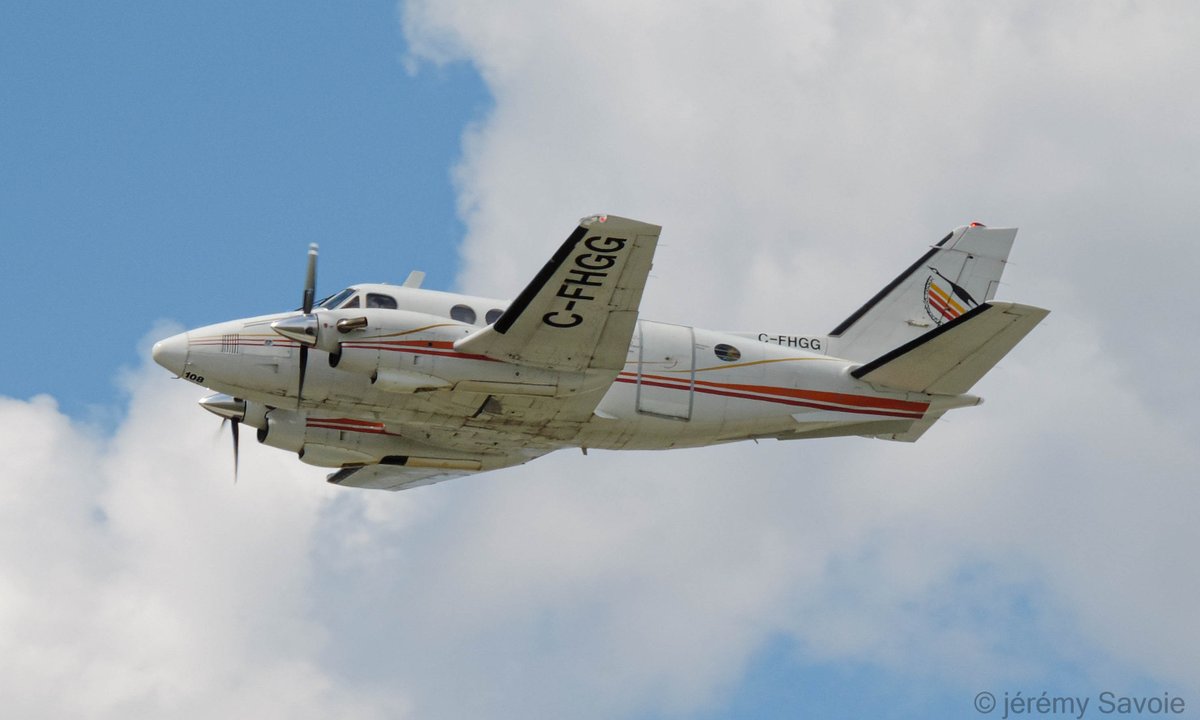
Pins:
<point x="510" y="315"/>
<point x="884" y="292"/>
<point x="918" y="342"/>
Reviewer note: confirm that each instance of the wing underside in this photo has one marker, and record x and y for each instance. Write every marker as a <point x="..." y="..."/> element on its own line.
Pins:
<point x="576" y="317"/>
<point x="405" y="472"/>
<point x="580" y="310"/>
<point x="392" y="477"/>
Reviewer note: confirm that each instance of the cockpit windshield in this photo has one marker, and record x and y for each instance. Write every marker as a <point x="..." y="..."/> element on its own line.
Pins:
<point x="333" y="301"/>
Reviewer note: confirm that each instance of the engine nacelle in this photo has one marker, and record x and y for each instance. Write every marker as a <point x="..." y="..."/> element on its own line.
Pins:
<point x="320" y="442"/>
<point x="342" y="442"/>
<point x="409" y="352"/>
<point x="283" y="429"/>
<point x="397" y="349"/>
<point x="328" y="456"/>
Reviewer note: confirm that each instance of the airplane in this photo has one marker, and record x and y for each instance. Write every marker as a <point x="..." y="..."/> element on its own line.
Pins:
<point x="395" y="386"/>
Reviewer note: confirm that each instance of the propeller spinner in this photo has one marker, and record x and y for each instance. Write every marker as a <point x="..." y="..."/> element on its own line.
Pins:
<point x="231" y="409"/>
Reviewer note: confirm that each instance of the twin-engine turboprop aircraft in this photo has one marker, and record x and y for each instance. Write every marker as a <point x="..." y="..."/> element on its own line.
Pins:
<point x="397" y="387"/>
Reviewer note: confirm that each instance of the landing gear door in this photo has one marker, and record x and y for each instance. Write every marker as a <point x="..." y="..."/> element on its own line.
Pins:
<point x="666" y="370"/>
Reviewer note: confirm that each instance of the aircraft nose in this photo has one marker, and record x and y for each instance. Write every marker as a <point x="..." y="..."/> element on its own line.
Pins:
<point x="172" y="353"/>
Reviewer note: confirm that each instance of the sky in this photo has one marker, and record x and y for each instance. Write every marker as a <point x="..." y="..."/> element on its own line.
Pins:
<point x="164" y="166"/>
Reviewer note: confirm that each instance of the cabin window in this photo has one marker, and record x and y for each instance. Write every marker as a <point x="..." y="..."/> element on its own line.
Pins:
<point x="728" y="353"/>
<point x="463" y="314"/>
<point x="493" y="315"/>
<point x="376" y="300"/>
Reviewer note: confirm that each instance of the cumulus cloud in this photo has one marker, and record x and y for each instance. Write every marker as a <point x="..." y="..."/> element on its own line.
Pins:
<point x="797" y="156"/>
<point x="140" y="578"/>
<point x="139" y="581"/>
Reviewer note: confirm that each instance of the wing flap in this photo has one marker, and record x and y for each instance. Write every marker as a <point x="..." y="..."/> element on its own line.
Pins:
<point x="952" y="358"/>
<point x="580" y="310"/>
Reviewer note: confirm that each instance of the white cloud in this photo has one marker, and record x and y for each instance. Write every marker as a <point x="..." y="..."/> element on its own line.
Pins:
<point x="140" y="582"/>
<point x="798" y="156"/>
<point x="140" y="577"/>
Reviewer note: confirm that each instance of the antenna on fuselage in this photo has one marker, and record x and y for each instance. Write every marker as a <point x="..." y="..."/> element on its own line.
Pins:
<point x="415" y="278"/>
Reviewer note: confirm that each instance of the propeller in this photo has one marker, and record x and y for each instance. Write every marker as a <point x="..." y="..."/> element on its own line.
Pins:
<point x="310" y="279"/>
<point x="310" y="292"/>
<point x="229" y="409"/>
<point x="234" y="425"/>
<point x="303" y="328"/>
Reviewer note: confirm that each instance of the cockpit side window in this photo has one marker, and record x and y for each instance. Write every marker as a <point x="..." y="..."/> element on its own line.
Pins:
<point x="334" y="300"/>
<point x="376" y="300"/>
<point x="355" y="302"/>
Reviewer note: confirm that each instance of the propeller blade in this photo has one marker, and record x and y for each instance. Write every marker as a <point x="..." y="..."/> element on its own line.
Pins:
<point x="310" y="279"/>
<point x="310" y="292"/>
<point x="234" y="424"/>
<point x="303" y="370"/>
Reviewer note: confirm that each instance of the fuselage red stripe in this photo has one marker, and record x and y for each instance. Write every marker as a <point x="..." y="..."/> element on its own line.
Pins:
<point x="779" y="400"/>
<point x="217" y="342"/>
<point x="348" y="425"/>
<point x="822" y="396"/>
<point x="418" y="348"/>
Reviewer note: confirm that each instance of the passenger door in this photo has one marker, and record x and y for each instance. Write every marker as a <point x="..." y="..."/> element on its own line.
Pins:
<point x="666" y="370"/>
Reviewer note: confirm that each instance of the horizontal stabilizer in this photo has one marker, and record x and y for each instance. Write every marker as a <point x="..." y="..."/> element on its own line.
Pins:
<point x="950" y="359"/>
<point x="914" y="431"/>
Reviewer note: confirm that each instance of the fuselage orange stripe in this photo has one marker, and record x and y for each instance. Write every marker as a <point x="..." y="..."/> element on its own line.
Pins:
<point x="916" y="415"/>
<point x="864" y="401"/>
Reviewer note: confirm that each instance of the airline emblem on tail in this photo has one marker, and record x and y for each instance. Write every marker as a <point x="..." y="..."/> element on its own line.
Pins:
<point x="943" y="304"/>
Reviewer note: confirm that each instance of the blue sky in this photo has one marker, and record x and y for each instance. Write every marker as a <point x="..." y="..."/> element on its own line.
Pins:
<point x="166" y="166"/>
<point x="174" y="162"/>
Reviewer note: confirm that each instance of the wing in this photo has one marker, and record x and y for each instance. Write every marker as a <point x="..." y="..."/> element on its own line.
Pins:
<point x="579" y="312"/>
<point x="405" y="472"/>
<point x="392" y="477"/>
<point x="575" y="317"/>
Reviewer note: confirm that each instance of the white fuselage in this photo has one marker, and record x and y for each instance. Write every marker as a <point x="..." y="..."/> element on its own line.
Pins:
<point x="400" y="387"/>
<point x="395" y="384"/>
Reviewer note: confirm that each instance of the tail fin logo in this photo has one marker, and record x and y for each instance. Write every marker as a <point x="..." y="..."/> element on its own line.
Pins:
<point x="945" y="300"/>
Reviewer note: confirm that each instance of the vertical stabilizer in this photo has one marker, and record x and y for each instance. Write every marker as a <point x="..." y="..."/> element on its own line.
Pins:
<point x="955" y="276"/>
